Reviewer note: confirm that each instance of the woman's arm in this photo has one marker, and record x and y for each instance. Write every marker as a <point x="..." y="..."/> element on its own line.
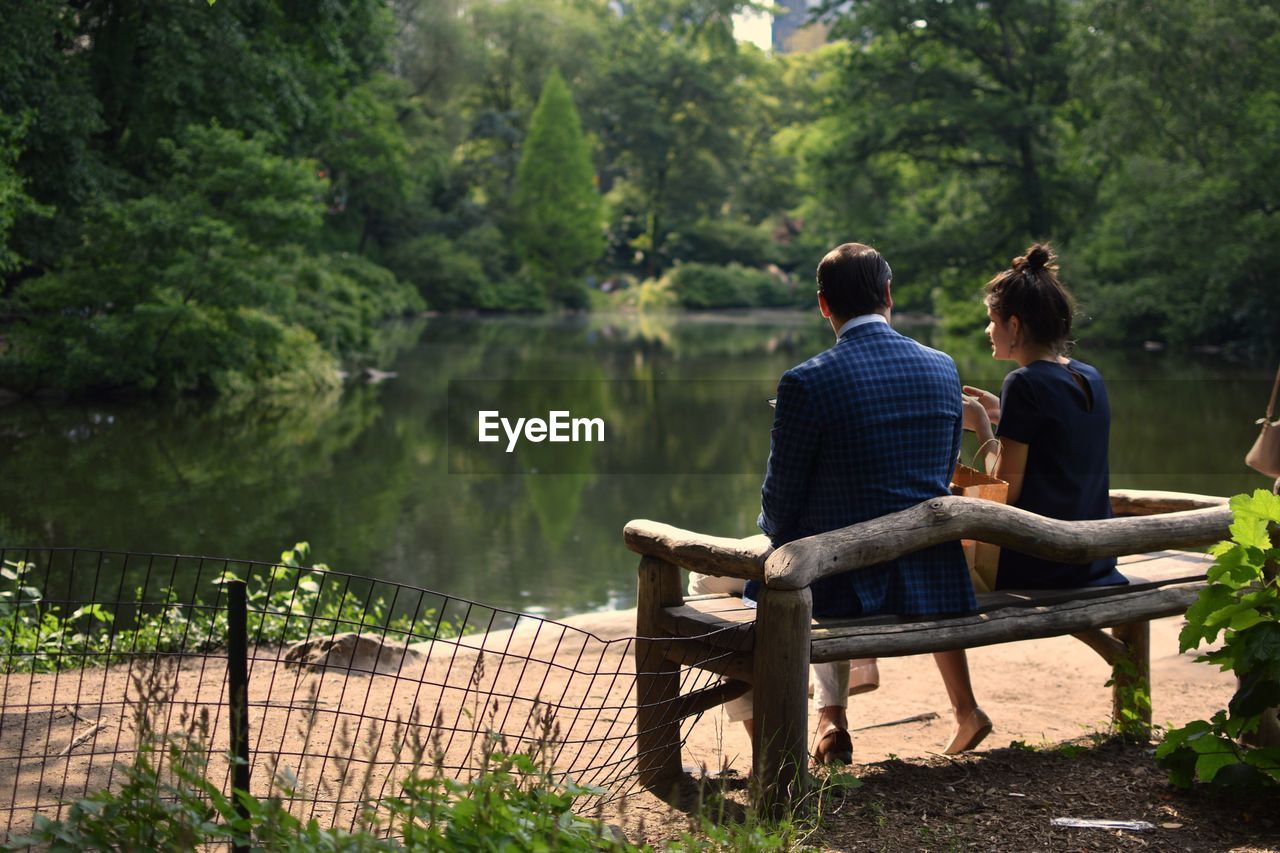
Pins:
<point x="1002" y="457"/>
<point x="990" y="402"/>
<point x="1012" y="466"/>
<point x="978" y="419"/>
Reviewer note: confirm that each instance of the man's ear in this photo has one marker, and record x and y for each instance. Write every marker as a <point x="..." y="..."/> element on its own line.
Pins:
<point x="823" y="306"/>
<point x="888" y="294"/>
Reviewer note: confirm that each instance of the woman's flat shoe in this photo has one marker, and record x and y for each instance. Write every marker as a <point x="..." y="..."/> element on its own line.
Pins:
<point x="970" y="733"/>
<point x="834" y="745"/>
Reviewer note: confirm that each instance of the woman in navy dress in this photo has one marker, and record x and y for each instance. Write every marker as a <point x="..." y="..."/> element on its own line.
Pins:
<point x="1053" y="422"/>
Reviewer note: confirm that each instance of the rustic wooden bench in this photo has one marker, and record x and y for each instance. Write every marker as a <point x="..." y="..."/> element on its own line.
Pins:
<point x="770" y="647"/>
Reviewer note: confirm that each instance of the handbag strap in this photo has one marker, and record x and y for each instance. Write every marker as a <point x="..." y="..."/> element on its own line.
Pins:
<point x="1271" y="405"/>
<point x="977" y="462"/>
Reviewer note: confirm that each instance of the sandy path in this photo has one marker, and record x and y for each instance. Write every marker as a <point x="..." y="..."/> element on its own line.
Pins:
<point x="1038" y="691"/>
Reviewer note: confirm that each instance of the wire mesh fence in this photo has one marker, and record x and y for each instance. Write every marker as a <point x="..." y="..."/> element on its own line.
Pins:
<point x="352" y="683"/>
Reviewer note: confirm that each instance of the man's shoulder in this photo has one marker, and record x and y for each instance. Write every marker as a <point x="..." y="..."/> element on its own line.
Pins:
<point x="873" y="348"/>
<point x="821" y="367"/>
<point x="902" y="348"/>
<point x="935" y="356"/>
<point x="819" y="363"/>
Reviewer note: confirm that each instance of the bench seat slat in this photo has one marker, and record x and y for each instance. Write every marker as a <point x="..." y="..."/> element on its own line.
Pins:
<point x="1002" y="626"/>
<point x="723" y="621"/>
<point x="736" y="634"/>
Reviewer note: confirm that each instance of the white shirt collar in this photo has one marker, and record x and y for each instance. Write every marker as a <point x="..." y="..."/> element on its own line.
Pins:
<point x="860" y="320"/>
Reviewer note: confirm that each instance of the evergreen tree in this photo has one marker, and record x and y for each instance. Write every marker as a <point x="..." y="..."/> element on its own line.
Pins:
<point x="557" y="207"/>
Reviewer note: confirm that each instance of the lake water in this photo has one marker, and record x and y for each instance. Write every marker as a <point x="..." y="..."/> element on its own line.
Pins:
<point x="387" y="480"/>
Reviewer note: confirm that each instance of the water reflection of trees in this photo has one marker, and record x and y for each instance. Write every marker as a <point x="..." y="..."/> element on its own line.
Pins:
<point x="189" y="476"/>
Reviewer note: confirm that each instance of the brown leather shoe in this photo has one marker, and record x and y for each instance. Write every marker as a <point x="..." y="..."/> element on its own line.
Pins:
<point x="834" y="745"/>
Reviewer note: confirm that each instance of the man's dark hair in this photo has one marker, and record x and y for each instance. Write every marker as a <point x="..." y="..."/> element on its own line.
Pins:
<point x="1030" y="290"/>
<point x="855" y="280"/>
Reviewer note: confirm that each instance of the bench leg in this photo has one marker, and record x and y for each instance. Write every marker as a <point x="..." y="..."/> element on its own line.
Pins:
<point x="1108" y="647"/>
<point x="1131" y="681"/>
<point x="657" y="681"/>
<point x="779" y="735"/>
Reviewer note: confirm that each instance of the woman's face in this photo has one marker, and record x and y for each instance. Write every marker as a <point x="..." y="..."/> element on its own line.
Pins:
<point x="1002" y="334"/>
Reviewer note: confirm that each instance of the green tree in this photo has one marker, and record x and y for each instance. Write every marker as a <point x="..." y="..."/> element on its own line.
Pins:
<point x="99" y="84"/>
<point x="1185" y="246"/>
<point x="433" y="51"/>
<point x="557" y="206"/>
<point x="472" y="72"/>
<point x="48" y="118"/>
<point x="951" y="120"/>
<point x="521" y="43"/>
<point x="14" y="200"/>
<point x="367" y="158"/>
<point x="766" y="218"/>
<point x="667" y="103"/>
<point x="160" y="208"/>
<point x="255" y="65"/>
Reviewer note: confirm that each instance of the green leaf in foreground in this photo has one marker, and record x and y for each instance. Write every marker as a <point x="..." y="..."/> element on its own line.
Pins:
<point x="1241" y="605"/>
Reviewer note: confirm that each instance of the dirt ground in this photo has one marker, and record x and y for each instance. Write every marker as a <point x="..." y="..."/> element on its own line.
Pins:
<point x="1036" y="692"/>
<point x="1047" y="757"/>
<point x="61" y="735"/>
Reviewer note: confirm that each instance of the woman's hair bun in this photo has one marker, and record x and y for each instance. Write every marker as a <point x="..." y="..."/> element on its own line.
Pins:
<point x="1037" y="258"/>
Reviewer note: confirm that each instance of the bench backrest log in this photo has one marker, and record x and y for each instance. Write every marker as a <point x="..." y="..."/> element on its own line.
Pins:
<point x="1145" y="521"/>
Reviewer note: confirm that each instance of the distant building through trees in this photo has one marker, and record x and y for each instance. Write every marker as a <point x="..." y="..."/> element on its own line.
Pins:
<point x="792" y="31"/>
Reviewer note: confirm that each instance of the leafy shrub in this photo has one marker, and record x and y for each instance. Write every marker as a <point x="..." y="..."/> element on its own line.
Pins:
<point x="648" y="295"/>
<point x="1242" y="605"/>
<point x="445" y="277"/>
<point x="721" y="242"/>
<point x="733" y="286"/>
<point x="343" y="298"/>
<point x="769" y="290"/>
<point x="522" y="293"/>
<point x="516" y="801"/>
<point x="703" y="286"/>
<point x="653" y="295"/>
<point x="473" y="270"/>
<point x="169" y="802"/>
<point x="285" y="606"/>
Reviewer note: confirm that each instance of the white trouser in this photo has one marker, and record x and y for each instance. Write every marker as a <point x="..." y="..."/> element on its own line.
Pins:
<point x="830" y="681"/>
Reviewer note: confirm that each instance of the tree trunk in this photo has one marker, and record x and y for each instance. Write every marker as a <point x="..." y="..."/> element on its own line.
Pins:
<point x="1032" y="189"/>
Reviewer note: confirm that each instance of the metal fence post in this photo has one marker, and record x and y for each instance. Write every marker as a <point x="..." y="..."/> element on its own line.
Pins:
<point x="238" y="693"/>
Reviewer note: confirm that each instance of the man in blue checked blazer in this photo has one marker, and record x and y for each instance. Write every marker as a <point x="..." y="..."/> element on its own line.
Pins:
<point x="867" y="428"/>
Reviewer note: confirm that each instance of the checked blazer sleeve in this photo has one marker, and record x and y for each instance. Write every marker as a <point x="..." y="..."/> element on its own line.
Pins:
<point x="793" y="454"/>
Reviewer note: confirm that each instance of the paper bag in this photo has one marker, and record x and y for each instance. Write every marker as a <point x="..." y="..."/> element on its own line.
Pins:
<point x="983" y="557"/>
